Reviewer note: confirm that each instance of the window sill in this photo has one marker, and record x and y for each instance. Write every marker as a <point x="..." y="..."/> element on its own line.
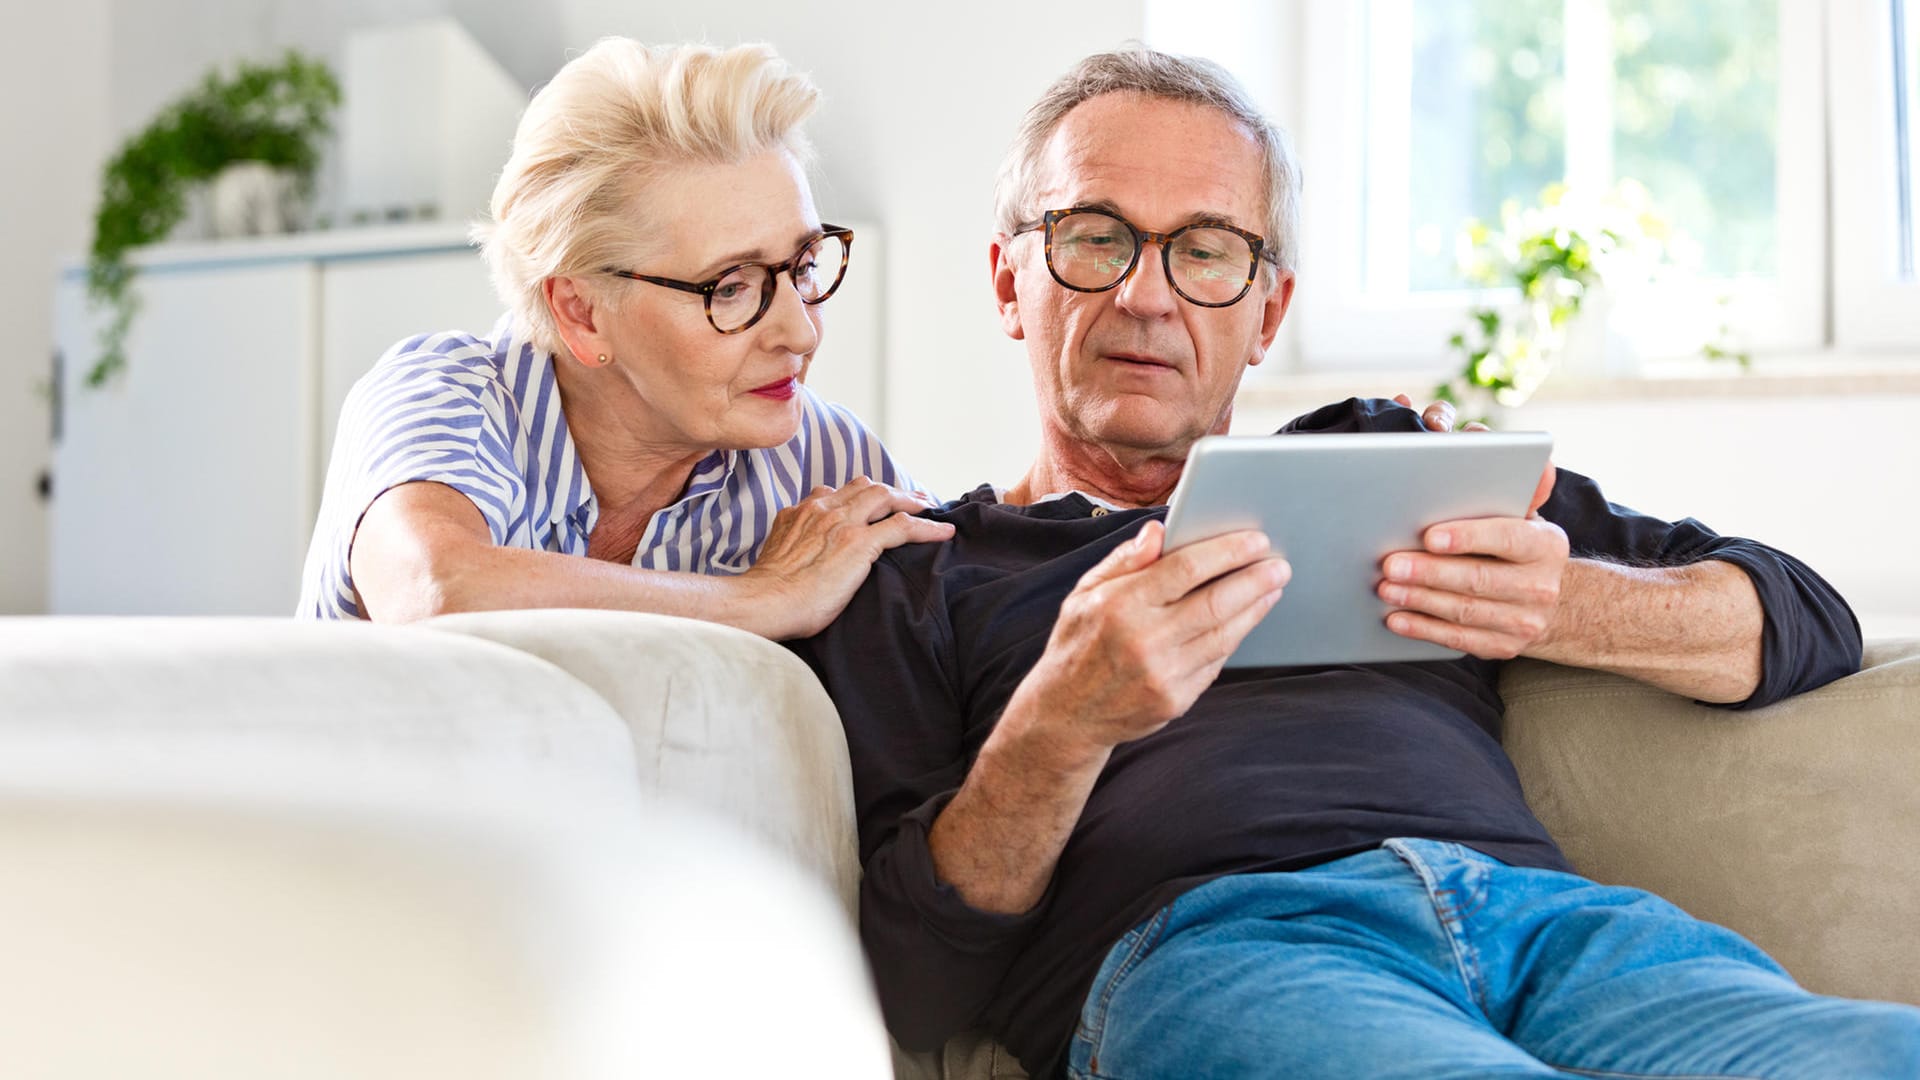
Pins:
<point x="1835" y="374"/>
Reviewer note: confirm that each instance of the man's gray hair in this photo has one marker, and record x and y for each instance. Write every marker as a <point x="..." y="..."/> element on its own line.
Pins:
<point x="1142" y="70"/>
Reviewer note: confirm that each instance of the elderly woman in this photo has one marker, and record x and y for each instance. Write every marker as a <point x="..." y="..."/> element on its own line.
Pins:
<point x="636" y="431"/>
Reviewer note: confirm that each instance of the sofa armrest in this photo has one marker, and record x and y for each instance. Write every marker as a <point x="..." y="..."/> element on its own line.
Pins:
<point x="719" y="717"/>
<point x="1797" y="825"/>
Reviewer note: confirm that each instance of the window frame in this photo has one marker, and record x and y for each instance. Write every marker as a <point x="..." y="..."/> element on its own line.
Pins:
<point x="1341" y="325"/>
<point x="1873" y="309"/>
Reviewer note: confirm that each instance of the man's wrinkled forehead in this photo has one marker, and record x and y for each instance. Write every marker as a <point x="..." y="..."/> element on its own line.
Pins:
<point x="1174" y="161"/>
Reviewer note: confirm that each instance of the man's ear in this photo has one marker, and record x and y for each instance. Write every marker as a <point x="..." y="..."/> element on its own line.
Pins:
<point x="1273" y="312"/>
<point x="576" y="316"/>
<point x="1004" y="295"/>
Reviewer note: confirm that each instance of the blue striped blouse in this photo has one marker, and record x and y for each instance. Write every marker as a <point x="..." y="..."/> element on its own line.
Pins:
<point x="483" y="417"/>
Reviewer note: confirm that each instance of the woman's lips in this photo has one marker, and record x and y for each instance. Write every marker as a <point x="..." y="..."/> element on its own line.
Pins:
<point x="778" y="391"/>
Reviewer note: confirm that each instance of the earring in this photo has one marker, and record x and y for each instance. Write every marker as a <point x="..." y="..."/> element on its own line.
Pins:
<point x="605" y="360"/>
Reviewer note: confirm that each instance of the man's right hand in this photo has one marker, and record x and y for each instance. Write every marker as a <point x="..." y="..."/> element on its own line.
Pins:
<point x="1142" y="636"/>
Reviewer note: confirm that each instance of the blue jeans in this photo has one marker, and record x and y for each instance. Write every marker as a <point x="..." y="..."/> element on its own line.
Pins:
<point x="1427" y="960"/>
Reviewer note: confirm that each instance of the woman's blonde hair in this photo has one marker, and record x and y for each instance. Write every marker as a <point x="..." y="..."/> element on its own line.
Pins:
<point x="610" y="119"/>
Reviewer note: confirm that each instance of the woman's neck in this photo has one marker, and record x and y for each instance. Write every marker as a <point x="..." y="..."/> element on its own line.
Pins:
<point x="633" y="472"/>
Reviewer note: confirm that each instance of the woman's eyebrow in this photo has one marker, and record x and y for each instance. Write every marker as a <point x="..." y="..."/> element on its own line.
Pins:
<point x="755" y="255"/>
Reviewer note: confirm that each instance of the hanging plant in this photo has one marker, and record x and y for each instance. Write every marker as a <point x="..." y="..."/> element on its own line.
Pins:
<point x="275" y="114"/>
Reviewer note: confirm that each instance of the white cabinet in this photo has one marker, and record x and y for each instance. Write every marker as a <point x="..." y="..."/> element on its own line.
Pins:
<point x="189" y="484"/>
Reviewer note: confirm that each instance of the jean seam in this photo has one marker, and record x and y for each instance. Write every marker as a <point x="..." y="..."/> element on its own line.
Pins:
<point x="1144" y="938"/>
<point x="1609" y="1074"/>
<point x="1447" y="911"/>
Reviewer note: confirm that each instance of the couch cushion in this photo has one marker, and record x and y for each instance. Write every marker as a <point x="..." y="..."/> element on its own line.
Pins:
<point x="719" y="717"/>
<point x="222" y="938"/>
<point x="1797" y="825"/>
<point x="167" y="704"/>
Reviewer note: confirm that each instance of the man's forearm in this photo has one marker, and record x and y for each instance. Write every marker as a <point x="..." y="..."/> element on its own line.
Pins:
<point x="1693" y="630"/>
<point x="998" y="841"/>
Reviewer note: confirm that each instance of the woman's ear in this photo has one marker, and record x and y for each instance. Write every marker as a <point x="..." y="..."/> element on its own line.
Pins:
<point x="576" y="315"/>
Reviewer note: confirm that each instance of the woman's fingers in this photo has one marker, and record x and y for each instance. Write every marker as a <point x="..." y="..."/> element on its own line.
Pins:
<point x="904" y="528"/>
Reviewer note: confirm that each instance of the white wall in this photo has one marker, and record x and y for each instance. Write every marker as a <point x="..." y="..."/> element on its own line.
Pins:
<point x="920" y="103"/>
<point x="55" y="84"/>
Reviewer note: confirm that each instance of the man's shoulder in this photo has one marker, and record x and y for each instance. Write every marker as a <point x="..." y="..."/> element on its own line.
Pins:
<point x="1355" y="415"/>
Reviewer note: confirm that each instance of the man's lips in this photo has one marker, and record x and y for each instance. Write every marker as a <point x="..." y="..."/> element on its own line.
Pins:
<point x="1137" y="360"/>
<point x="781" y="389"/>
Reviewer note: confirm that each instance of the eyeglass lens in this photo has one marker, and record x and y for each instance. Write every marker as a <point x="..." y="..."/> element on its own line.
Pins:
<point x="1092" y="250"/>
<point x="741" y="296"/>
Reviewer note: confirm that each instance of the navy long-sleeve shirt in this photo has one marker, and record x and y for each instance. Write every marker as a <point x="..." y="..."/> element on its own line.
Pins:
<point x="1271" y="769"/>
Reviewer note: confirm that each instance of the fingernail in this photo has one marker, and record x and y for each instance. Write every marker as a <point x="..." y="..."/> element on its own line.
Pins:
<point x="1442" y="541"/>
<point x="1399" y="569"/>
<point x="1394" y="594"/>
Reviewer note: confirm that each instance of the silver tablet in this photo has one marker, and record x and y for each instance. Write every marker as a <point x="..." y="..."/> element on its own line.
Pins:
<point x="1335" y="506"/>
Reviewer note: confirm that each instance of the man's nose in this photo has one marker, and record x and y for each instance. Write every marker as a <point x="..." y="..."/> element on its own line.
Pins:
<point x="1147" y="293"/>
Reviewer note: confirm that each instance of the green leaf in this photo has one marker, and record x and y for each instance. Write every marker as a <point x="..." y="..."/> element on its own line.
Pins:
<point x="278" y="114"/>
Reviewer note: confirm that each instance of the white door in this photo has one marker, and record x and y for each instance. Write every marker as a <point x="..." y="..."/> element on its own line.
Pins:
<point x="184" y="486"/>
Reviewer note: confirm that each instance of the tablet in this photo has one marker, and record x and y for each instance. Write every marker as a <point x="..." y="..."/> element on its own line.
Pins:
<point x="1335" y="506"/>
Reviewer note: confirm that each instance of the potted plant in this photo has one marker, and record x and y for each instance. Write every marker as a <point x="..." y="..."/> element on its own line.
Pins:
<point x="1565" y="258"/>
<point x="271" y="114"/>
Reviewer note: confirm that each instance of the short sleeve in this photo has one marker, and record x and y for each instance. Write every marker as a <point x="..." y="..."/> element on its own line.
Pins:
<point x="443" y="417"/>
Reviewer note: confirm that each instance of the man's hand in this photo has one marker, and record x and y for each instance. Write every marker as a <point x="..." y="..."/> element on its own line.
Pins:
<point x="1141" y="636"/>
<point x="1138" y="639"/>
<point x="1439" y="416"/>
<point x="1488" y="586"/>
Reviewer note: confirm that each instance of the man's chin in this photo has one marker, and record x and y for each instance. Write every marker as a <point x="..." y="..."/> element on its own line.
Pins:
<point x="1140" y="431"/>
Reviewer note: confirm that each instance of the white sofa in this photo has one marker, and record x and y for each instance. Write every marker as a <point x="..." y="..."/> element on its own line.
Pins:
<point x="611" y="847"/>
<point x="517" y="844"/>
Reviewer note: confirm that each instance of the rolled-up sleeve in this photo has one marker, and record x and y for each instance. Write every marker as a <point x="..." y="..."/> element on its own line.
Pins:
<point x="1810" y="636"/>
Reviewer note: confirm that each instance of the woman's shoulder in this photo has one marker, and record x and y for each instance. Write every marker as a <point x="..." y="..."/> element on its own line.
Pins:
<point x="451" y="362"/>
<point x="837" y="445"/>
<point x="823" y="413"/>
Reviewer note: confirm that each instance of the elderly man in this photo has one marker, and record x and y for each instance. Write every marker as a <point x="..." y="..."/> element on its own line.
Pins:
<point x="1080" y="834"/>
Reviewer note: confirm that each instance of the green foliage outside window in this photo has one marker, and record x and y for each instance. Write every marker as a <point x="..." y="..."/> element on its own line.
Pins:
<point x="276" y="114"/>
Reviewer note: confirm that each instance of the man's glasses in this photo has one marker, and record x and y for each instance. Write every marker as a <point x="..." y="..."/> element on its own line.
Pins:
<point x="739" y="295"/>
<point x="1092" y="250"/>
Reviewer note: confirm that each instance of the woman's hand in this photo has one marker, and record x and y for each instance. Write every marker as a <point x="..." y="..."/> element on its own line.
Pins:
<point x="820" y="549"/>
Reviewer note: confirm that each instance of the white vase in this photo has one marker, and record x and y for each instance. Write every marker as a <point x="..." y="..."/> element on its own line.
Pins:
<point x="1593" y="348"/>
<point x="252" y="198"/>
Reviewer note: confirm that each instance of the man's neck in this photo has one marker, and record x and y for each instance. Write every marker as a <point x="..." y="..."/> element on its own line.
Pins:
<point x="1116" y="475"/>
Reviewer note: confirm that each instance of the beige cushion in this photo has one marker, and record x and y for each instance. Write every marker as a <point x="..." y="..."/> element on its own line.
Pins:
<point x="720" y="718"/>
<point x="119" y="704"/>
<point x="1797" y="825"/>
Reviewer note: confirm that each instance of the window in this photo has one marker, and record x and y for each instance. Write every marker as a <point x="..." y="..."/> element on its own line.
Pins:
<point x="1874" y="88"/>
<point x="1906" y="95"/>
<point x="1417" y="115"/>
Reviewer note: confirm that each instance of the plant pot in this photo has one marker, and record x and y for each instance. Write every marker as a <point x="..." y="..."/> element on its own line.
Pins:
<point x="1593" y="348"/>
<point x="253" y="198"/>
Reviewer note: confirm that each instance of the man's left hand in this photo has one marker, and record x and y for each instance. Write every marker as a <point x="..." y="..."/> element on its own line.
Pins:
<point x="1485" y="586"/>
<point x="1439" y="416"/>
